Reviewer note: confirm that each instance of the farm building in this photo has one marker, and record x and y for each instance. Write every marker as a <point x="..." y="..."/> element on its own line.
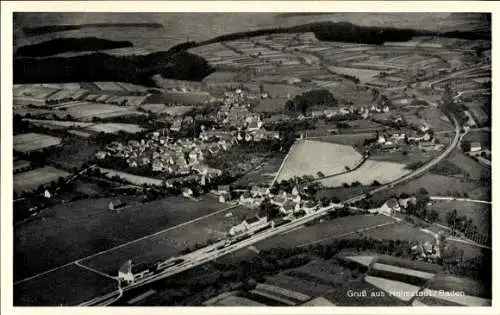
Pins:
<point x="21" y="166"/>
<point x="116" y="204"/>
<point x="475" y="147"/>
<point x="125" y="272"/>
<point x="250" y="224"/>
<point x="224" y="197"/>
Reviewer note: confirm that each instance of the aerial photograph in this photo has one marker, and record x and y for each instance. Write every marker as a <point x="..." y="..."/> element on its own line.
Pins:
<point x="251" y="159"/>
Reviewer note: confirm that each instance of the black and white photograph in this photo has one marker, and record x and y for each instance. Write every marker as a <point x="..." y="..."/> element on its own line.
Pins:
<point x="270" y="159"/>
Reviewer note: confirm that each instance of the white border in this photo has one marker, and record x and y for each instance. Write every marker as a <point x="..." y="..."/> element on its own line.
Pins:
<point x="212" y="6"/>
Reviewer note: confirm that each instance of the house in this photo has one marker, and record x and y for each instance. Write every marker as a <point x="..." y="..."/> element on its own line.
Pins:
<point x="404" y="202"/>
<point x="250" y="224"/>
<point x="475" y="147"/>
<point x="125" y="272"/>
<point x="246" y="197"/>
<point x="279" y="200"/>
<point x="257" y="191"/>
<point x="224" y="197"/>
<point x="393" y="204"/>
<point x="187" y="192"/>
<point x="47" y="194"/>
<point x="101" y="155"/>
<point x="116" y="204"/>
<point x="310" y="206"/>
<point x="255" y="125"/>
<point x="221" y="189"/>
<point x="381" y="139"/>
<point x="290" y="206"/>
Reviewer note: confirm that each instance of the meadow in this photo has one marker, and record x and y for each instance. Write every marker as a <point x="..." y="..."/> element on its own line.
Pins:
<point x="30" y="180"/>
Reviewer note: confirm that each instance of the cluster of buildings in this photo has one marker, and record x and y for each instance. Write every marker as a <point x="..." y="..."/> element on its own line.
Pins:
<point x="163" y="155"/>
<point x="360" y="110"/>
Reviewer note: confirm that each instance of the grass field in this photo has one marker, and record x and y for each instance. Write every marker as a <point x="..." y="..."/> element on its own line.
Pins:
<point x="68" y="286"/>
<point x="309" y="157"/>
<point x="364" y="75"/>
<point x="399" y="157"/>
<point x="115" y="127"/>
<point x="58" y="123"/>
<point x="87" y="110"/>
<point x="323" y="232"/>
<point x="71" y="231"/>
<point x="262" y="175"/>
<point x="30" y="180"/>
<point x="28" y="142"/>
<point x="355" y="140"/>
<point x="370" y="171"/>
<point x="340" y="193"/>
<point x="479" y="213"/>
<point x="169" y="243"/>
<point x="475" y="169"/>
<point x="483" y="137"/>
<point x="190" y="98"/>
<point x="74" y="153"/>
<point x="434" y="184"/>
<point x="399" y="231"/>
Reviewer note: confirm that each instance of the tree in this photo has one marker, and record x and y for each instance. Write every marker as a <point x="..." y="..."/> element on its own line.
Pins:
<point x="320" y="174"/>
<point x="376" y="183"/>
<point x="423" y="191"/>
<point x="451" y="220"/>
<point x="433" y="216"/>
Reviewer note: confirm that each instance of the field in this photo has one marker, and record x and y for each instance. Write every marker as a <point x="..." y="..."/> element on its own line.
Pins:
<point x="475" y="169"/>
<point x="270" y="105"/>
<point x="309" y="157"/>
<point x="189" y="98"/>
<point x="323" y="232"/>
<point x="364" y="75"/>
<point x="341" y="193"/>
<point x="86" y="111"/>
<point x="162" y="245"/>
<point x="74" y="153"/>
<point x="381" y="171"/>
<point x="355" y="140"/>
<point x="171" y="242"/>
<point x="398" y="231"/>
<point x="483" y="137"/>
<point x="58" y="288"/>
<point x="115" y="127"/>
<point x="399" y="157"/>
<point x="71" y="231"/>
<point x="398" y="289"/>
<point x="28" y="142"/>
<point x="479" y="213"/>
<point x="435" y="184"/>
<point x="340" y="297"/>
<point x="134" y="179"/>
<point x="262" y="175"/>
<point x="58" y="123"/>
<point x="30" y="180"/>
